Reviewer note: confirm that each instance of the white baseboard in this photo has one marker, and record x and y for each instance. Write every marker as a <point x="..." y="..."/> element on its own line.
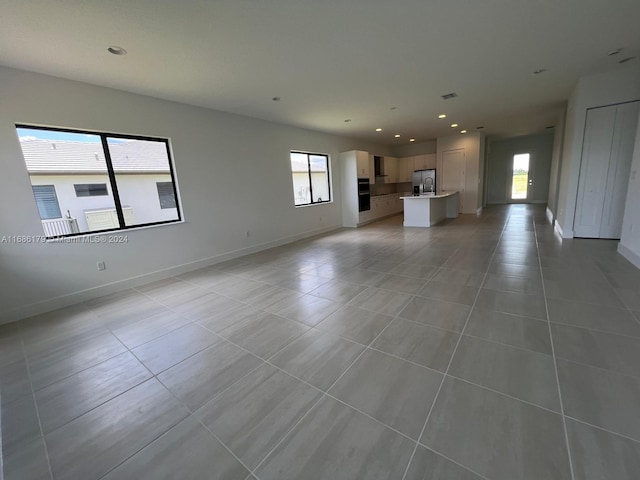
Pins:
<point x="550" y="216"/>
<point x="558" y="229"/>
<point x="479" y="211"/>
<point x="62" y="301"/>
<point x="629" y="254"/>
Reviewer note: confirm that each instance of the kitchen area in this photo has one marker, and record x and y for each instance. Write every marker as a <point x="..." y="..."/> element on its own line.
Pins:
<point x="375" y="186"/>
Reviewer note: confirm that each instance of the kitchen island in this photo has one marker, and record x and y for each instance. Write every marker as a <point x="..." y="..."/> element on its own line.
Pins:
<point x="428" y="209"/>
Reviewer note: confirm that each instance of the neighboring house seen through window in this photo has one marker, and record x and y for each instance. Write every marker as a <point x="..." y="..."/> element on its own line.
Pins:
<point x="47" y="201"/>
<point x="100" y="181"/>
<point x="91" y="189"/>
<point x="166" y="195"/>
<point x="311" y="183"/>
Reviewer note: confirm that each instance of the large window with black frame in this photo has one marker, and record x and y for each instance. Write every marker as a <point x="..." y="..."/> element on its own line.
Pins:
<point x="86" y="182"/>
<point x="311" y="181"/>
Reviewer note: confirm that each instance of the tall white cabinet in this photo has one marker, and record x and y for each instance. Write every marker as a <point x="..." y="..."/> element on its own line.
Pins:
<point x="604" y="170"/>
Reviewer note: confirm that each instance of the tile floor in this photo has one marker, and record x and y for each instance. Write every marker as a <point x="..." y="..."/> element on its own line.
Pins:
<point x="483" y="348"/>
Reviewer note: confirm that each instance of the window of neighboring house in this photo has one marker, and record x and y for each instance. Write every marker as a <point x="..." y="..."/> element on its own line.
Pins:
<point x="311" y="183"/>
<point x="166" y="195"/>
<point x="91" y="189"/>
<point x="103" y="181"/>
<point x="47" y="201"/>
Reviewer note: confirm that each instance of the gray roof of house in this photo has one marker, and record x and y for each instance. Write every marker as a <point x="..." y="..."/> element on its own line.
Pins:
<point x="56" y="156"/>
<point x="299" y="164"/>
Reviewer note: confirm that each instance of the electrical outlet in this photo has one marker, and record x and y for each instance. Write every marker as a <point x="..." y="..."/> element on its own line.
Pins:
<point x="101" y="266"/>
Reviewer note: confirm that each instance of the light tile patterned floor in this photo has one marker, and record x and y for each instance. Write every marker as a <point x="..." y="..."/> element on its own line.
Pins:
<point x="483" y="348"/>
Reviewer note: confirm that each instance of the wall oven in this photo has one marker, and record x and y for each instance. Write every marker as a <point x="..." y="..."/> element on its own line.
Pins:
<point x="364" y="195"/>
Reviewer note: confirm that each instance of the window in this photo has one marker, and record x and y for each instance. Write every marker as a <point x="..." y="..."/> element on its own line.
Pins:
<point x="91" y="189"/>
<point x="102" y="181"/>
<point x="47" y="201"/>
<point x="166" y="195"/>
<point x="310" y="172"/>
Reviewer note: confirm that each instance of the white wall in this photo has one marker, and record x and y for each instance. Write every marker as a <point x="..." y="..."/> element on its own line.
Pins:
<point x="629" y="245"/>
<point x="499" y="167"/>
<point x="621" y="85"/>
<point x="473" y="145"/>
<point x="413" y="149"/>
<point x="556" y="162"/>
<point x="233" y="175"/>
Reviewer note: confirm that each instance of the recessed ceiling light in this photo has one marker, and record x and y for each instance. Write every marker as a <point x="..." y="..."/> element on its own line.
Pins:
<point x="463" y="131"/>
<point x="539" y="71"/>
<point x="614" y="52"/>
<point x="397" y="135"/>
<point x="378" y="129"/>
<point x="442" y="115"/>
<point x="116" y="50"/>
<point x="454" y="125"/>
<point x="276" y="99"/>
<point x="347" y="120"/>
<point x="628" y="59"/>
<point x="412" y="139"/>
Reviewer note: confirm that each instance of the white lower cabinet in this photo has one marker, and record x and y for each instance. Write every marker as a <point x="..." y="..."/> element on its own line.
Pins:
<point x="382" y="206"/>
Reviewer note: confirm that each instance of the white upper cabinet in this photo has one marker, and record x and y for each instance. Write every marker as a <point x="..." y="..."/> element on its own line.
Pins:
<point x="420" y="162"/>
<point x="405" y="169"/>
<point x="424" y="162"/>
<point x="390" y="169"/>
<point x="362" y="162"/>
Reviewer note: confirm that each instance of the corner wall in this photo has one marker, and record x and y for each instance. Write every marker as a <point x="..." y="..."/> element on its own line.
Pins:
<point x="556" y="162"/>
<point x="629" y="245"/>
<point x="413" y="149"/>
<point x="233" y="176"/>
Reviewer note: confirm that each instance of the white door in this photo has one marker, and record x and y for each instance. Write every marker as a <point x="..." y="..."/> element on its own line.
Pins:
<point x="604" y="170"/>
<point x="619" y="167"/>
<point x="452" y="178"/>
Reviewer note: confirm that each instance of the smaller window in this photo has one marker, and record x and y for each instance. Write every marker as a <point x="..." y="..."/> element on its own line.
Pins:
<point x="311" y="184"/>
<point x="47" y="201"/>
<point x="91" y="189"/>
<point x="166" y="195"/>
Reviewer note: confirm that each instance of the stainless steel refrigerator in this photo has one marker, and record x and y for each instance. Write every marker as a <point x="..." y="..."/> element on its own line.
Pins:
<point x="424" y="180"/>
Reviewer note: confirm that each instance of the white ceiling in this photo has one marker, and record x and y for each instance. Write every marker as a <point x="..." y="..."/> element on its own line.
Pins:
<point x="331" y="60"/>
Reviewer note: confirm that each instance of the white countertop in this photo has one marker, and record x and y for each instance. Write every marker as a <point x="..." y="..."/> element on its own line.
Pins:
<point x="426" y="196"/>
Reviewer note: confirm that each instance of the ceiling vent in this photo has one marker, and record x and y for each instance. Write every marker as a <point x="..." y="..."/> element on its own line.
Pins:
<point x="449" y="95"/>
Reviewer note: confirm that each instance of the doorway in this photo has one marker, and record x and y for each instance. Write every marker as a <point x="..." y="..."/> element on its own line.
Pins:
<point x="521" y="180"/>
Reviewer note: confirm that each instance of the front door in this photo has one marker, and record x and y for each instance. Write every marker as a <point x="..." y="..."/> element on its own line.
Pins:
<point x="521" y="180"/>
